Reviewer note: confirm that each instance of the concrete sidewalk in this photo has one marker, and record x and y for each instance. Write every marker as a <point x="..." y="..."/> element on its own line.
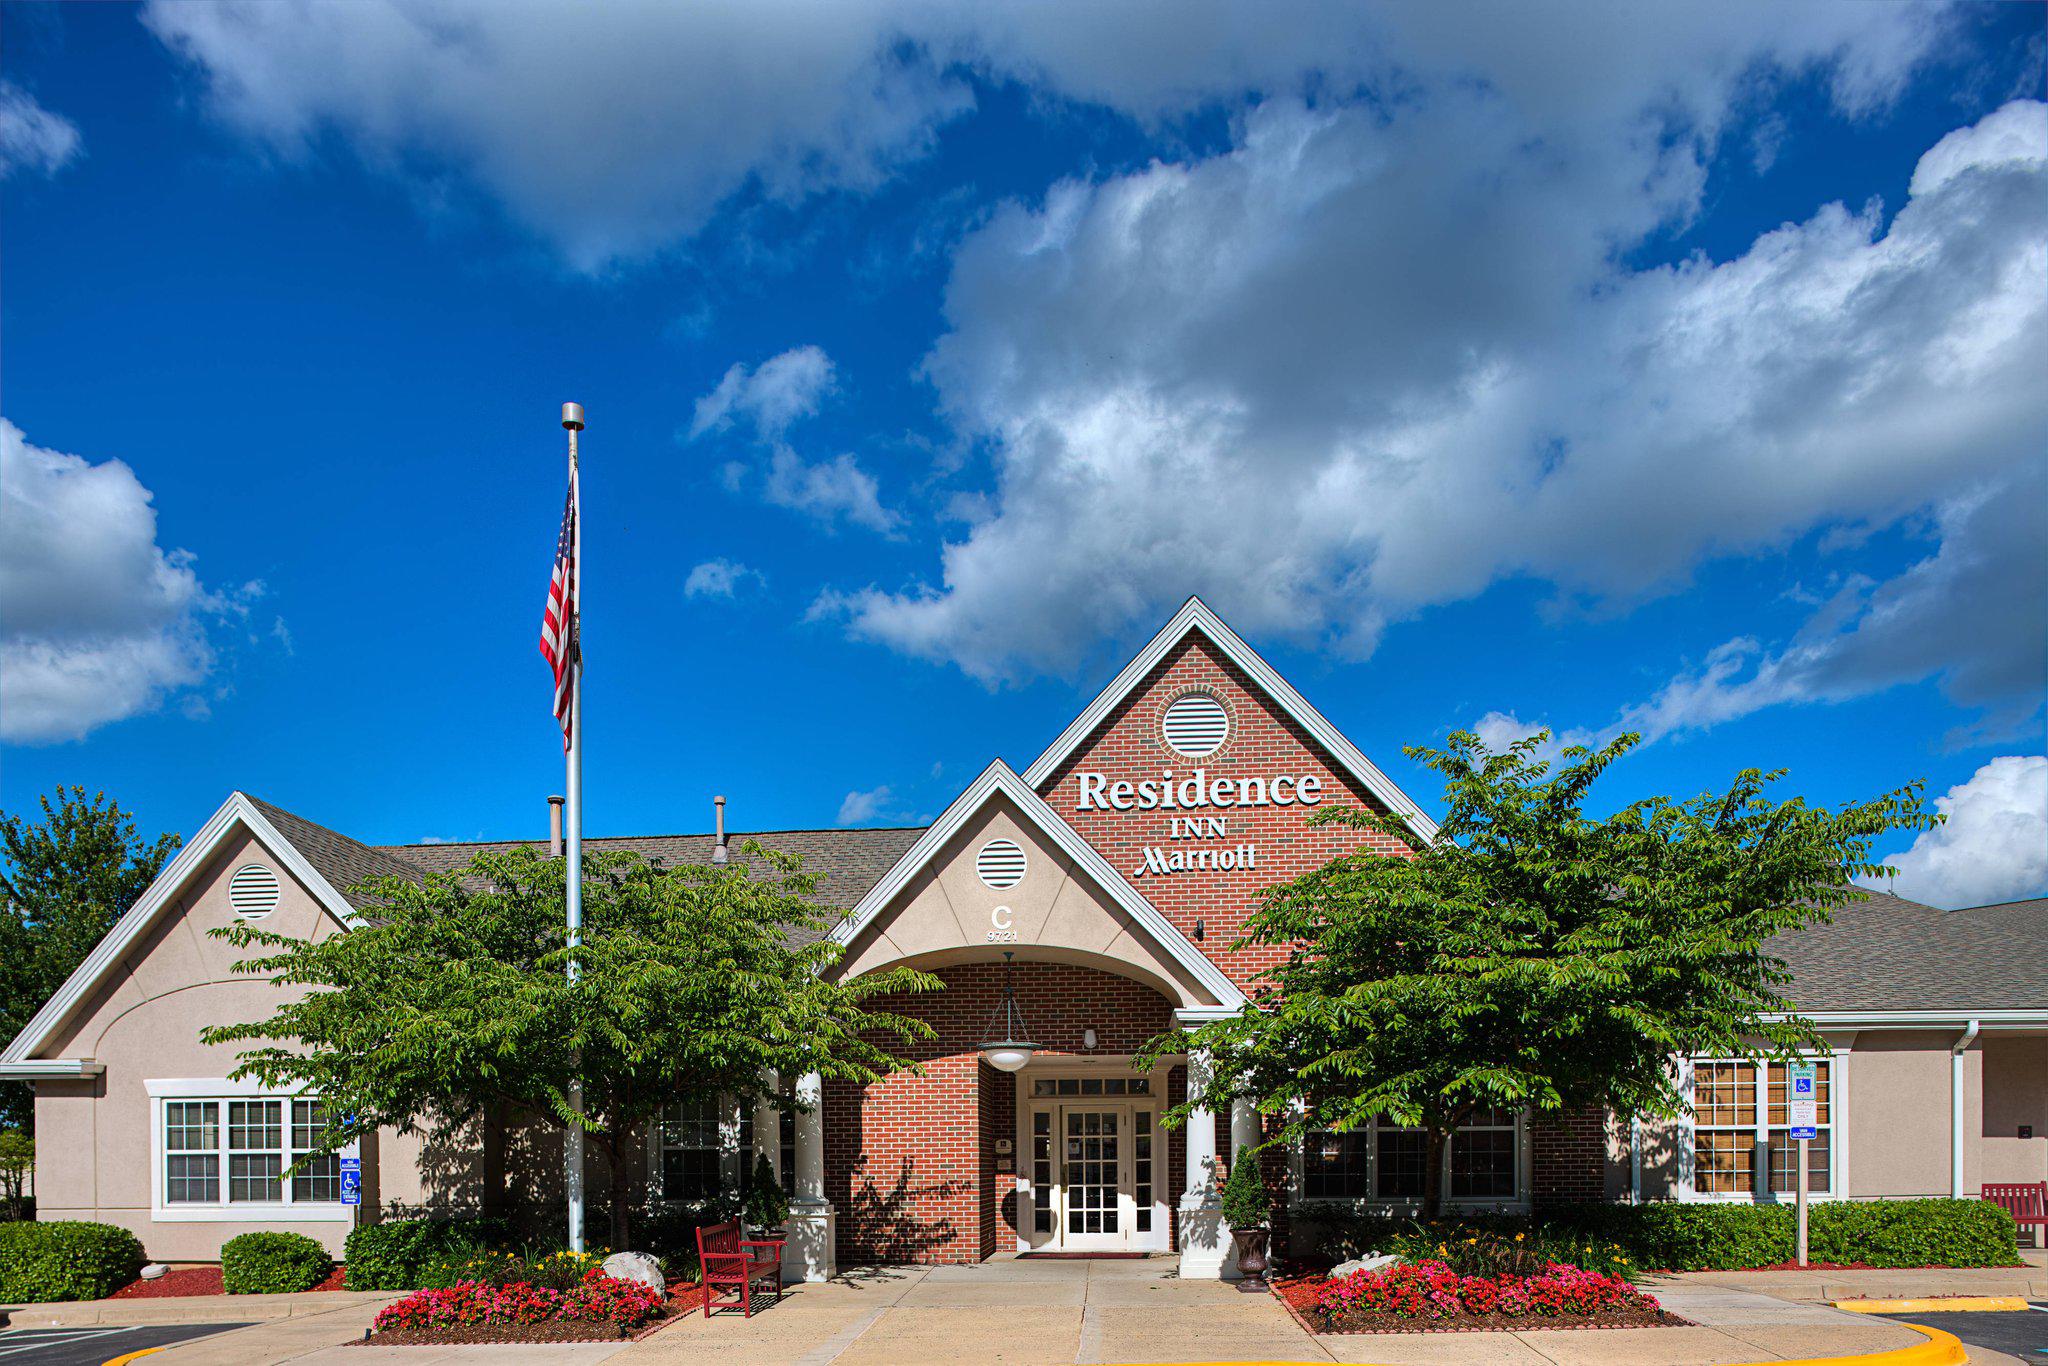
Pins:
<point x="1029" y="1313"/>
<point x="2028" y="1282"/>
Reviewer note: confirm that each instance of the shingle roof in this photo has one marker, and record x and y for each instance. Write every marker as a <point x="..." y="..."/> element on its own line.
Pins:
<point x="344" y="862"/>
<point x="846" y="862"/>
<point x="1882" y="953"/>
<point x="1887" y="953"/>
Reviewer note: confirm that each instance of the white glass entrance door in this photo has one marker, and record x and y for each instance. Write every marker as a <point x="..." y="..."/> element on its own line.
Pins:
<point x="1096" y="1203"/>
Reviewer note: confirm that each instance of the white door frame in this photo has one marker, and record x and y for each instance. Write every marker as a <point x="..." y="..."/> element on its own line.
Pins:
<point x="1151" y="1104"/>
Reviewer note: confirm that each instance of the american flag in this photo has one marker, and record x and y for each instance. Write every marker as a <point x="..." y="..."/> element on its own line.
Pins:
<point x="558" y="643"/>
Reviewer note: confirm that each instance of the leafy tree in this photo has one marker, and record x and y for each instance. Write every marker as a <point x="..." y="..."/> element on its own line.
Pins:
<point x="64" y="881"/>
<point x="17" y="1163"/>
<point x="452" y="996"/>
<point x="1534" y="955"/>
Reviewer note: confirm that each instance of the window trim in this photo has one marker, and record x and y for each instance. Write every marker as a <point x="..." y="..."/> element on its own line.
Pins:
<point x="1836" y="1056"/>
<point x="219" y="1091"/>
<point x="1518" y="1203"/>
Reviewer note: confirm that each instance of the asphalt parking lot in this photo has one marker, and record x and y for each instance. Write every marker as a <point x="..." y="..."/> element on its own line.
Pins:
<point x="2022" y="1334"/>
<point x="92" y="1346"/>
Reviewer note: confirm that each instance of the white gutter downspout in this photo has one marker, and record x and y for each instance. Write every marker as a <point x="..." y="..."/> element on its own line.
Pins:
<point x="1955" y="1109"/>
<point x="1635" y="1160"/>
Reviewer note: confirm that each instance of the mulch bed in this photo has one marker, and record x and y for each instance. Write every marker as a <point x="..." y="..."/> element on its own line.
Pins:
<point x="1298" y="1296"/>
<point x="195" y="1280"/>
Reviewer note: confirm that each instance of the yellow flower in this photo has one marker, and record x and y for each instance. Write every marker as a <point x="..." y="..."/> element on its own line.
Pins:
<point x="1519" y="1237"/>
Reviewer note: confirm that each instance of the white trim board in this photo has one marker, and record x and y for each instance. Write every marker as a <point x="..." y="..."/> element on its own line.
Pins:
<point x="999" y="779"/>
<point x="1195" y="615"/>
<point x="237" y="812"/>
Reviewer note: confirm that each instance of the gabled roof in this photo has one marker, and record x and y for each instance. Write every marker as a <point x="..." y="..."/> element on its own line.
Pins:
<point x="1886" y="953"/>
<point x="1193" y="616"/>
<point x="239" y="812"/>
<point x="999" y="779"/>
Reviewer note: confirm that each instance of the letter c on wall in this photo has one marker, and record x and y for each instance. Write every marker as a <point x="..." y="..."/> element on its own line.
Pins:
<point x="1000" y="917"/>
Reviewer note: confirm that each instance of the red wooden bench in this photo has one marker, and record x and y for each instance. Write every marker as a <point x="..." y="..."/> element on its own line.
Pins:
<point x="2026" y="1202"/>
<point x="732" y="1264"/>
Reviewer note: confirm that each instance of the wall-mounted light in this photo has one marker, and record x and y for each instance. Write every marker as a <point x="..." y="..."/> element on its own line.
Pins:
<point x="1087" y="1038"/>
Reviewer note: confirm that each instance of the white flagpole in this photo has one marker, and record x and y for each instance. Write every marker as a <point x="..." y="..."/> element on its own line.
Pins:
<point x="572" y="419"/>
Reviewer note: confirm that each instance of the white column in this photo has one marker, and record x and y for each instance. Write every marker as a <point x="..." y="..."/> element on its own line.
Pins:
<point x="1204" y="1243"/>
<point x="767" y="1130"/>
<point x="812" y="1222"/>
<point x="732" y="1162"/>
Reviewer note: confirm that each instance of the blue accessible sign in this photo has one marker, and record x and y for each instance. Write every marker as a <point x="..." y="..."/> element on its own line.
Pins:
<point x="1808" y="1132"/>
<point x="351" y="1181"/>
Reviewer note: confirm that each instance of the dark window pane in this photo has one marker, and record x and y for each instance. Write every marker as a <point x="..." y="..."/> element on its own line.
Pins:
<point x="1483" y="1164"/>
<point x="1333" y="1166"/>
<point x="1403" y="1161"/>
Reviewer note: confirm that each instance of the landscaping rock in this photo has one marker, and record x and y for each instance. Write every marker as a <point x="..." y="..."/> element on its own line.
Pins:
<point x="636" y="1266"/>
<point x="1371" y="1262"/>
<point x="153" y="1270"/>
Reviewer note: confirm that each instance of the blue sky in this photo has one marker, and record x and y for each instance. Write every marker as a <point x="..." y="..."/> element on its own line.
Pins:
<point x="1591" y="368"/>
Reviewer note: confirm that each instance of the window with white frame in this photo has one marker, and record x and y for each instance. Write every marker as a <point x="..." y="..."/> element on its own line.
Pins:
<point x="1738" y="1104"/>
<point x="694" y="1155"/>
<point x="1384" y="1161"/>
<point x="692" y="1148"/>
<point x="223" y="1152"/>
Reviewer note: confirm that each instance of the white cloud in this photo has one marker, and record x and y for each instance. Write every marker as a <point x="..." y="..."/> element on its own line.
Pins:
<point x="1974" y="614"/>
<point x="829" y="490"/>
<point x="613" y="131"/>
<point x="97" y="622"/>
<point x="1360" y="365"/>
<point x="861" y="807"/>
<point x="783" y="389"/>
<point x="769" y="398"/>
<point x="31" y="137"/>
<point x="1994" y="846"/>
<point x="720" y="578"/>
<point x="1500" y="729"/>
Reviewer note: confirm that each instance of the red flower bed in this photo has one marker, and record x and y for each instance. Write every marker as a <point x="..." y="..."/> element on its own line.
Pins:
<point x="1432" y="1295"/>
<point x="599" y="1300"/>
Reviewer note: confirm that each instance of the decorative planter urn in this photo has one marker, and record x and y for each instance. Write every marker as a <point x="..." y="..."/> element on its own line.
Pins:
<point x="1251" y="1256"/>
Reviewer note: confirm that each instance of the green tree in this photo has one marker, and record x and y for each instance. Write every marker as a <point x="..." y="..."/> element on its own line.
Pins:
<point x="17" y="1165"/>
<point x="451" y="997"/>
<point x="1534" y="955"/>
<point x="64" y="880"/>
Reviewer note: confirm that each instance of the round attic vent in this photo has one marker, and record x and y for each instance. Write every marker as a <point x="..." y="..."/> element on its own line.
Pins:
<point x="1000" y="863"/>
<point x="1196" y="724"/>
<point x="252" y="891"/>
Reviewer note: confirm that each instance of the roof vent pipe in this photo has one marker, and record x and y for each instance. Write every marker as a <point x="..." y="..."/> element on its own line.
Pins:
<point x="555" y="826"/>
<point x="718" y="854"/>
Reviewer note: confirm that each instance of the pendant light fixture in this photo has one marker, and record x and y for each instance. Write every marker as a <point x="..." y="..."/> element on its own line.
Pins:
<point x="1007" y="1049"/>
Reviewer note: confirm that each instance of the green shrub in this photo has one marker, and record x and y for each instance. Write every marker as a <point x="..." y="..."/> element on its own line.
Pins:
<point x="766" y="1206"/>
<point x="65" y="1260"/>
<point x="1670" y="1236"/>
<point x="395" y="1254"/>
<point x="1245" y="1202"/>
<point x="272" y="1264"/>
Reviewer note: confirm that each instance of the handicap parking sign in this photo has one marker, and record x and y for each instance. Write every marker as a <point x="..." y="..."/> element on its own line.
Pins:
<point x="1804" y="1103"/>
<point x="351" y="1181"/>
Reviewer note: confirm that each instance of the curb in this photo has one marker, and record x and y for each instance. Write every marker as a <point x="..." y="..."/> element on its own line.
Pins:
<point x="124" y="1360"/>
<point x="1952" y="1304"/>
<point x="1940" y="1349"/>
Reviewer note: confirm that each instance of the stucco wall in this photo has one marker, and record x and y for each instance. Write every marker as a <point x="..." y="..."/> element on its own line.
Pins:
<point x="93" y="1151"/>
<point x="2015" y="1095"/>
<point x="1900" y="1130"/>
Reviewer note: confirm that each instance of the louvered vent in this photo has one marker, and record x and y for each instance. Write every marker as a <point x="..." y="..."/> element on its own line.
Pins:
<point x="1196" y="724"/>
<point x="252" y="891"/>
<point x="1000" y="863"/>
